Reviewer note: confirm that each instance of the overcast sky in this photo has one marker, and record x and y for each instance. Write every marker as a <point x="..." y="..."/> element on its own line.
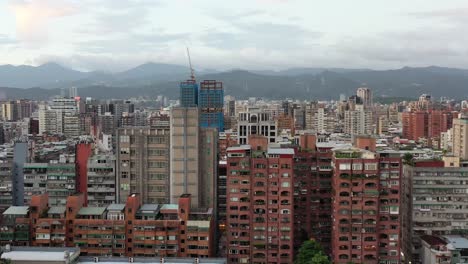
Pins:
<point x="223" y="34"/>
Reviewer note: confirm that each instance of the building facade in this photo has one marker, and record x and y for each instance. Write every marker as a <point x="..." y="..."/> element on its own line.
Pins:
<point x="366" y="207"/>
<point x="101" y="181"/>
<point x="256" y="122"/>
<point x="132" y="229"/>
<point x="143" y="163"/>
<point x="211" y="104"/>
<point x="259" y="204"/>
<point x="460" y="137"/>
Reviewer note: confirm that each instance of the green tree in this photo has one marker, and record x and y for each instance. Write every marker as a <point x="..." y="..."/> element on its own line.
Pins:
<point x="408" y="159"/>
<point x="311" y="253"/>
<point x="320" y="258"/>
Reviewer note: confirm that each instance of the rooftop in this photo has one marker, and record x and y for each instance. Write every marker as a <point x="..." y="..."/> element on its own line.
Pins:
<point x="238" y="148"/>
<point x="92" y="211"/>
<point x="117" y="260"/>
<point x="16" y="210"/>
<point x="39" y="254"/>
<point x="433" y="240"/>
<point x="56" y="210"/>
<point x="281" y="151"/>
<point x="457" y="242"/>
<point x="170" y="207"/>
<point x="116" y="207"/>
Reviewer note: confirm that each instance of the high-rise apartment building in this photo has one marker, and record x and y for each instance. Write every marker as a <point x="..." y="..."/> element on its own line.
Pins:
<point x="358" y="121"/>
<point x="6" y="184"/>
<point x="255" y="121"/>
<point x="366" y="216"/>
<point x="211" y="103"/>
<point x="143" y="163"/>
<point x="427" y="125"/>
<point x="365" y="94"/>
<point x="439" y="201"/>
<point x="107" y="123"/>
<point x="312" y="192"/>
<point x="460" y="137"/>
<point x="260" y="207"/>
<point x="58" y="117"/>
<point x="9" y="111"/>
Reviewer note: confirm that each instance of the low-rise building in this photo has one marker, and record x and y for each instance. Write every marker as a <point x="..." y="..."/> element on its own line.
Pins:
<point x="132" y="229"/>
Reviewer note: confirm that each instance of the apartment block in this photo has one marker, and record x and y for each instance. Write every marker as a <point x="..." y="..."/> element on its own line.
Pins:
<point x="312" y="192"/>
<point x="6" y="184"/>
<point x="143" y="163"/>
<point x="132" y="229"/>
<point x="439" y="202"/>
<point x="366" y="207"/>
<point x="358" y="121"/>
<point x="260" y="203"/>
<point x="101" y="173"/>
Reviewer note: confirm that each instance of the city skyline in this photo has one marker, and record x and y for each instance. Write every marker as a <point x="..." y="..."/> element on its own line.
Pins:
<point x="262" y="34"/>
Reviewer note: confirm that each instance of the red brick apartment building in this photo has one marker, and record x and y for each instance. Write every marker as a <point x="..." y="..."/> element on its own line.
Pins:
<point x="427" y="124"/>
<point x="312" y="192"/>
<point x="132" y="229"/>
<point x="366" y="207"/>
<point x="259" y="203"/>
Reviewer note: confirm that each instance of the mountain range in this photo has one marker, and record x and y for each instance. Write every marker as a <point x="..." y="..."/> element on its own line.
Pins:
<point x="151" y="79"/>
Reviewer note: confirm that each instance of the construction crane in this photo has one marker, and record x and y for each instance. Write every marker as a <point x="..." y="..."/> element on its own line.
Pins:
<point x="192" y="72"/>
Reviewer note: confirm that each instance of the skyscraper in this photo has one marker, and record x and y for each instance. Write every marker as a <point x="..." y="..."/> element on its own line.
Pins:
<point x="211" y="103"/>
<point x="189" y="93"/>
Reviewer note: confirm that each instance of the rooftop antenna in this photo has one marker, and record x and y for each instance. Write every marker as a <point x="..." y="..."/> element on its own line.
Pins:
<point x="192" y="72"/>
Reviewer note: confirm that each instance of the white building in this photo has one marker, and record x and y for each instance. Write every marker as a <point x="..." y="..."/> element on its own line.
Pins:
<point x="358" y="122"/>
<point x="256" y="122"/>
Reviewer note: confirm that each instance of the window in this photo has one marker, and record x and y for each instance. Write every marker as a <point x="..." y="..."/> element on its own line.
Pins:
<point x="371" y="166"/>
<point x="345" y="166"/>
<point x="157" y="176"/>
<point x="157" y="152"/>
<point x="285" y="184"/>
<point x="157" y="139"/>
<point x="124" y="151"/>
<point x="157" y="164"/>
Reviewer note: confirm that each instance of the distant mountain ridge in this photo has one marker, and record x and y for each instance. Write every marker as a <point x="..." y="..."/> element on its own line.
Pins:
<point x="151" y="79"/>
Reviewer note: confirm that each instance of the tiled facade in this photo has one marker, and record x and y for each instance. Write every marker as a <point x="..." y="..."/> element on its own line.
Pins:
<point x="366" y="207"/>
<point x="131" y="229"/>
<point x="259" y="203"/>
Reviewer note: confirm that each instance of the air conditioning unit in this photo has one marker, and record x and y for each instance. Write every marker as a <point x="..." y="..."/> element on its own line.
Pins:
<point x="131" y="260"/>
<point x="197" y="260"/>
<point x="161" y="260"/>
<point x="96" y="259"/>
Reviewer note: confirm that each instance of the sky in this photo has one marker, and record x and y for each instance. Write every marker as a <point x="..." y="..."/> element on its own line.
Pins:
<point x="114" y="35"/>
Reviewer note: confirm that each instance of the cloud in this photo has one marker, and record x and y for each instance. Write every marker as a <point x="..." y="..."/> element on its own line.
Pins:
<point x="418" y="47"/>
<point x="33" y="17"/>
<point x="6" y="40"/>
<point x="262" y="35"/>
